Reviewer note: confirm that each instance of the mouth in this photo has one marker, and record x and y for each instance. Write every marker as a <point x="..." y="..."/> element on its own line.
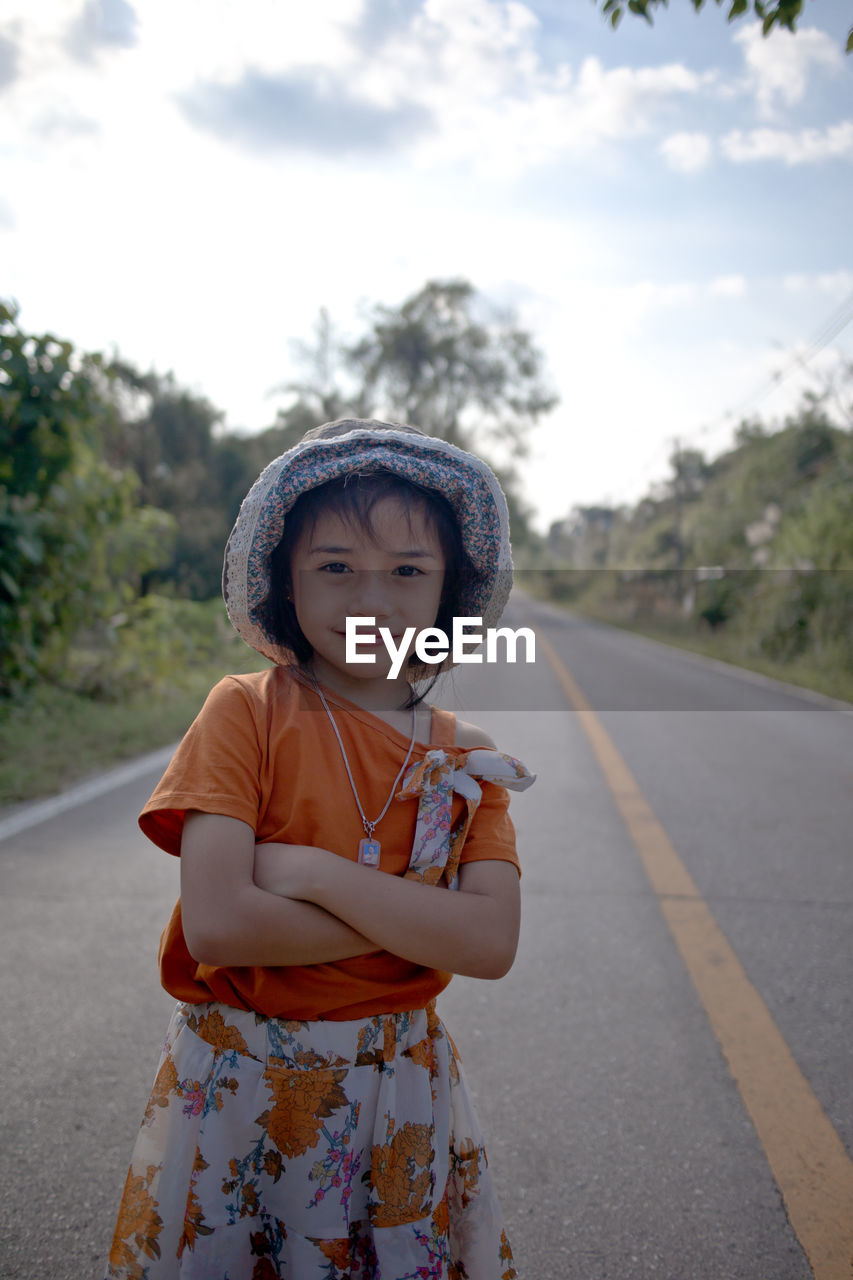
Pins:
<point x="366" y="641"/>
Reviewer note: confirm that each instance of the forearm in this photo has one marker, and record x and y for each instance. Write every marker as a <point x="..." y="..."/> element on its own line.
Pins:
<point x="265" y="929"/>
<point x="232" y="919"/>
<point x="467" y="932"/>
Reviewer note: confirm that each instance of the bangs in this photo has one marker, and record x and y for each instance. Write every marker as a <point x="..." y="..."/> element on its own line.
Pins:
<point x="353" y="499"/>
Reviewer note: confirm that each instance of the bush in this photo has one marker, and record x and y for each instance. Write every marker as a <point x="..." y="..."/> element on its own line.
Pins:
<point x="73" y="541"/>
<point x="150" y="646"/>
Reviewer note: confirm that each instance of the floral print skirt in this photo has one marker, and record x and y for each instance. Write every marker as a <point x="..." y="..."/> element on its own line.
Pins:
<point x="303" y="1150"/>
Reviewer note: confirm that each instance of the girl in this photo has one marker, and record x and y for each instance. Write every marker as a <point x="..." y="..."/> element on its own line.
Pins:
<point x="309" y="1117"/>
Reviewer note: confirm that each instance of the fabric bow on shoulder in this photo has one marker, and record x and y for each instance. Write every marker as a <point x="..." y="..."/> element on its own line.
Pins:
<point x="437" y="849"/>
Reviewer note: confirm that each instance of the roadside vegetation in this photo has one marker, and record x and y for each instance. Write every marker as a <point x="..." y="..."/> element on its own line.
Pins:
<point x="118" y="489"/>
<point x="56" y="736"/>
<point x="747" y="557"/>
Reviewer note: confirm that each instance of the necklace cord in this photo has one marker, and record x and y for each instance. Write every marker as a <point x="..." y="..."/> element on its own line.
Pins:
<point x="369" y="827"/>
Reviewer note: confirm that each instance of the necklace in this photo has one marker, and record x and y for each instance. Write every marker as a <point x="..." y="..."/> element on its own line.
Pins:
<point x="369" y="849"/>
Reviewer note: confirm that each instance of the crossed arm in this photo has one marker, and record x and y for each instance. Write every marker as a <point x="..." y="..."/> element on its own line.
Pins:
<point x="276" y="904"/>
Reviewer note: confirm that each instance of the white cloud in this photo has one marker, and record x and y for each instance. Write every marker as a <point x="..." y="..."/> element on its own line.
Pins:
<point x="728" y="287"/>
<point x="779" y="66"/>
<point x="8" y="61"/>
<point x="804" y="146"/>
<point x="687" y="152"/>
<point x="68" y="55"/>
<point x="175" y="44"/>
<point x="472" y="66"/>
<point x="649" y="295"/>
<point x="796" y="283"/>
<point x="836" y="283"/>
<point x="63" y="124"/>
<point x="470" y="70"/>
<point x="224" y="255"/>
<point x="101" y="24"/>
<point x="475" y="67"/>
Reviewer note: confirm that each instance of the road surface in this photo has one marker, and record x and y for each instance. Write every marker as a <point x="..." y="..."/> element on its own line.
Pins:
<point x="665" y="1075"/>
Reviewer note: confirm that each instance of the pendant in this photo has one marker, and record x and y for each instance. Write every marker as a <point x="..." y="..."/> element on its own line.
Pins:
<point x="368" y="852"/>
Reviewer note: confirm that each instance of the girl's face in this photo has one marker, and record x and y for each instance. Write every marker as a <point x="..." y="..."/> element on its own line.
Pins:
<point x="339" y="571"/>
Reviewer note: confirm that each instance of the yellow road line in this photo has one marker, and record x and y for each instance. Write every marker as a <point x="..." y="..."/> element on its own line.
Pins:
<point x="806" y="1155"/>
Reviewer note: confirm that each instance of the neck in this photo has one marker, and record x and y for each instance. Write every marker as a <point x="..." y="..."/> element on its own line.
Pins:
<point x="371" y="695"/>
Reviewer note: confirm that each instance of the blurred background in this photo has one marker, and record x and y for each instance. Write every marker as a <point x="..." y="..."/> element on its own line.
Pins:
<point x="612" y="256"/>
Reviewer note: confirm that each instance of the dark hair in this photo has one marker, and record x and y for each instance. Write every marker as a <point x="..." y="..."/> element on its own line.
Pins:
<point x="353" y="498"/>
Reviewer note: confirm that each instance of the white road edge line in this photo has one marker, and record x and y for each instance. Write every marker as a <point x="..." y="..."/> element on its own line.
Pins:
<point x="31" y="815"/>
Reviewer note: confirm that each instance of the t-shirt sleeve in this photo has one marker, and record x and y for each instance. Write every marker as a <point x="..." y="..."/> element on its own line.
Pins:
<point x="492" y="835"/>
<point x="216" y="768"/>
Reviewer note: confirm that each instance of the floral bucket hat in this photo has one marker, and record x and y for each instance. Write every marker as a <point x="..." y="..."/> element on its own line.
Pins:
<point x="356" y="445"/>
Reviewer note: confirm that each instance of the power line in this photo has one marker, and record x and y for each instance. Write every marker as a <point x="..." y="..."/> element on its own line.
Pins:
<point x="831" y="327"/>
<point x="828" y="331"/>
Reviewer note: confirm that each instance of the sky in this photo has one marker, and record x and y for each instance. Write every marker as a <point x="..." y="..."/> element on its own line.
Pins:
<point x="667" y="209"/>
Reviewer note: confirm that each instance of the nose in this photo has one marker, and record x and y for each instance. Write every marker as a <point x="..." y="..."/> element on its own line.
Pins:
<point x="372" y="595"/>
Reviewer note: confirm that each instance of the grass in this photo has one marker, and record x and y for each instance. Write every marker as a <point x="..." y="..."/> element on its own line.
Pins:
<point x="57" y="738"/>
<point x="807" y="672"/>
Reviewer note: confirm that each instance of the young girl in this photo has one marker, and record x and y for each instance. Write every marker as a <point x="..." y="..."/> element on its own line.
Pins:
<point x="309" y="1117"/>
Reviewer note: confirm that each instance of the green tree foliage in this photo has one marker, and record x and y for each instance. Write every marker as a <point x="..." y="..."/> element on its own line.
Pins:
<point x="784" y="13"/>
<point x="443" y="359"/>
<point x="449" y="363"/>
<point x="186" y="466"/>
<point x="757" y="543"/>
<point x="118" y="488"/>
<point x="73" y="540"/>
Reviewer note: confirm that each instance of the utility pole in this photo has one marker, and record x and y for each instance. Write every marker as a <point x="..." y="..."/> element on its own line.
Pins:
<point x="677" y="539"/>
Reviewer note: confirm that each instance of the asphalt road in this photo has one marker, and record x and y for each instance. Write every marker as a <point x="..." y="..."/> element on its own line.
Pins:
<point x="619" y="1138"/>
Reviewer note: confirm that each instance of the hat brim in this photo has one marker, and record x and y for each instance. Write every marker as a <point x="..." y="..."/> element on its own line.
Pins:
<point x="467" y="483"/>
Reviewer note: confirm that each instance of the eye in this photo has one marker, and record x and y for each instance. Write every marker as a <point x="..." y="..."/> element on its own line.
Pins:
<point x="335" y="567"/>
<point x="408" y="571"/>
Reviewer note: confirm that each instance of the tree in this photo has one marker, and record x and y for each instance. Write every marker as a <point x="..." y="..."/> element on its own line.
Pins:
<point x="449" y="363"/>
<point x="320" y="394"/>
<point x="444" y="360"/>
<point x="784" y="13"/>
<point x="168" y="437"/>
<point x="73" y="541"/>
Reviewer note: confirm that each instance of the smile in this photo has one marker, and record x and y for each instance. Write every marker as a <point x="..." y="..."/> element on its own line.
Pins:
<point x="371" y="641"/>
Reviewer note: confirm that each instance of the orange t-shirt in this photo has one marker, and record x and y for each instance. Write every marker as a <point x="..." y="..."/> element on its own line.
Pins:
<point x="262" y="750"/>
